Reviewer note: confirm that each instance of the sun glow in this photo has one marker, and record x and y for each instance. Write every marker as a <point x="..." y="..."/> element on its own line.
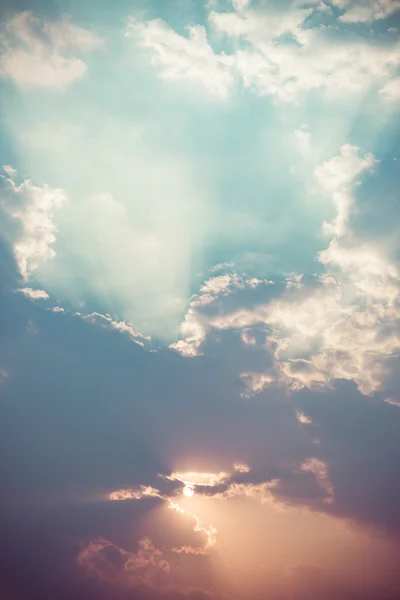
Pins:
<point x="188" y="491"/>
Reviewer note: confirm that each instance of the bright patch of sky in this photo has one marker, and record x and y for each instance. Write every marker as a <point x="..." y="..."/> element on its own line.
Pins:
<point x="183" y="135"/>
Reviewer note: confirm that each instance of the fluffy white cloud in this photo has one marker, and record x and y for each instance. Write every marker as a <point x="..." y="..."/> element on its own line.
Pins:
<point x="40" y="53"/>
<point x="32" y="211"/>
<point x="184" y="58"/>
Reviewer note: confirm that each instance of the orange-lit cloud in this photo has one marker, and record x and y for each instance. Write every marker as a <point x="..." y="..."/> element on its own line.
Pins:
<point x="193" y="478"/>
<point x="302" y="418"/>
<point x="132" y="494"/>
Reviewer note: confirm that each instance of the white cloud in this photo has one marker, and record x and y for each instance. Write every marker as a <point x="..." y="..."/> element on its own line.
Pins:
<point x="32" y="211"/>
<point x="184" y="58"/>
<point x="34" y="294"/>
<point x="40" y="53"/>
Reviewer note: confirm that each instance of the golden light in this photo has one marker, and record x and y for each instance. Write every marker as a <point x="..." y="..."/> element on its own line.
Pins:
<point x="188" y="491"/>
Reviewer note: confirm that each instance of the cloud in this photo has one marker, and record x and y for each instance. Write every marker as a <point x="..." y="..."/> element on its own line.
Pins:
<point x="34" y="294"/>
<point x="106" y="321"/>
<point x="391" y="90"/>
<point x="36" y="52"/>
<point x="193" y="330"/>
<point x="319" y="60"/>
<point x="366" y="11"/>
<point x="145" y="573"/>
<point x="193" y="478"/>
<point x="344" y="324"/>
<point x="8" y="170"/>
<point x="263" y="60"/>
<point x="208" y="533"/>
<point x="302" y="418"/>
<point x="111" y="563"/>
<point x="320" y="470"/>
<point x="392" y="402"/>
<point x="241" y="468"/>
<point x="32" y="232"/>
<point x="183" y="58"/>
<point x="131" y="494"/>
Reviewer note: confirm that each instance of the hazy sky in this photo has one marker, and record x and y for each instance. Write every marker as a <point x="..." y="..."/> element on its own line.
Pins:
<point x="200" y="313"/>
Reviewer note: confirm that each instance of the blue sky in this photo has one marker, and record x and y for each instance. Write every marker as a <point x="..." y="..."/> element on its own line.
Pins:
<point x="199" y="336"/>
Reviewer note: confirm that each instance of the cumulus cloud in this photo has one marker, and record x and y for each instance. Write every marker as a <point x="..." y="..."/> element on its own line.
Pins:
<point x="32" y="232"/>
<point x="36" y="52"/>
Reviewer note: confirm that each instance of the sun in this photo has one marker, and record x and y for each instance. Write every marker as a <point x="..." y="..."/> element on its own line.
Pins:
<point x="188" y="491"/>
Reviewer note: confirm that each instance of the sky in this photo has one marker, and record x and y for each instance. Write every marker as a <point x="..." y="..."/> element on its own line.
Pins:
<point x="199" y="300"/>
